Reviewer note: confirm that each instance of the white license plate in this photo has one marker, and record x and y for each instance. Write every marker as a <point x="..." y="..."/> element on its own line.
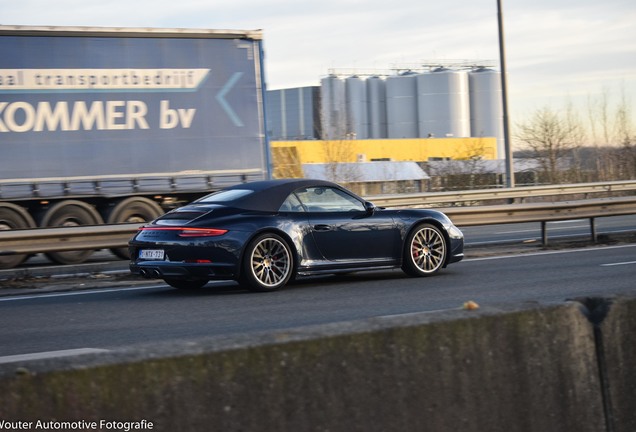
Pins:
<point x="151" y="254"/>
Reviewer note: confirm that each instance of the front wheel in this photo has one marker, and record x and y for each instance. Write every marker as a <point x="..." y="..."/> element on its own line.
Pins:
<point x="425" y="251"/>
<point x="267" y="264"/>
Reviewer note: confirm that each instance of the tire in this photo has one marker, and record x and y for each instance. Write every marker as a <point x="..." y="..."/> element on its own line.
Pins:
<point x="67" y="214"/>
<point x="132" y="210"/>
<point x="14" y="217"/>
<point x="268" y="263"/>
<point x="186" y="284"/>
<point x="424" y="251"/>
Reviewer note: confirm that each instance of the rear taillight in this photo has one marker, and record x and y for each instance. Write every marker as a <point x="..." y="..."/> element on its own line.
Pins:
<point x="189" y="232"/>
<point x="201" y="232"/>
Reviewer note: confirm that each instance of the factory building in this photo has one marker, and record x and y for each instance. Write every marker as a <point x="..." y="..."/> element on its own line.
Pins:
<point x="294" y="113"/>
<point x="440" y="102"/>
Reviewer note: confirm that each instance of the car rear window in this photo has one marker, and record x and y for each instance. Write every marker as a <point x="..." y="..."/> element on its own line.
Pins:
<point x="225" y="196"/>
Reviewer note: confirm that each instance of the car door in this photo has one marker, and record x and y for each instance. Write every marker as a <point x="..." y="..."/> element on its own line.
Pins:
<point x="343" y="228"/>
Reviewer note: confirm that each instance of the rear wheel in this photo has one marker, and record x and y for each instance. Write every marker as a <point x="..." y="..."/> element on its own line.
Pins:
<point x="425" y="251"/>
<point x="186" y="284"/>
<point x="69" y="214"/>
<point x="268" y="263"/>
<point x="13" y="217"/>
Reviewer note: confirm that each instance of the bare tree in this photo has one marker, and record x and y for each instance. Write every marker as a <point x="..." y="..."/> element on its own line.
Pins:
<point x="287" y="162"/>
<point x="467" y="169"/>
<point x="575" y="172"/>
<point x="339" y="156"/>
<point x="336" y="138"/>
<point x="549" y="138"/>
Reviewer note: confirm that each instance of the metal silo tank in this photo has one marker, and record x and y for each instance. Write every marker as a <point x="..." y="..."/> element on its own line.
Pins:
<point x="401" y="106"/>
<point x="376" y="97"/>
<point x="333" y="109"/>
<point x="486" y="112"/>
<point x="356" y="105"/>
<point x="443" y="103"/>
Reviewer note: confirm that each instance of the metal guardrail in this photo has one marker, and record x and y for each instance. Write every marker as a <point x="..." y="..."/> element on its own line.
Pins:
<point x="517" y="193"/>
<point x="30" y="241"/>
<point x="541" y="212"/>
<point x="116" y="236"/>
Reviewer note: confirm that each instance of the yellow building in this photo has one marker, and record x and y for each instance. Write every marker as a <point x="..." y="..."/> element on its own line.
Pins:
<point x="289" y="156"/>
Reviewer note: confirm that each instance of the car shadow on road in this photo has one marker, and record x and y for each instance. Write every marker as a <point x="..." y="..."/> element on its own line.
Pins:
<point x="227" y="288"/>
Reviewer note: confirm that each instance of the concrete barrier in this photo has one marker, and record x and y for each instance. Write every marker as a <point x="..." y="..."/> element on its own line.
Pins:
<point x="617" y="333"/>
<point x="523" y="368"/>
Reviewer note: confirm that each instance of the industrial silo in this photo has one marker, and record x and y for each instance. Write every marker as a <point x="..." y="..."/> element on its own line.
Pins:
<point x="401" y="106"/>
<point x="486" y="112"/>
<point x="443" y="103"/>
<point x="376" y="97"/>
<point x="356" y="105"/>
<point x="333" y="109"/>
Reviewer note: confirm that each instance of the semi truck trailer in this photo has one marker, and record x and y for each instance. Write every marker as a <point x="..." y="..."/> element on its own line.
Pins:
<point x="118" y="125"/>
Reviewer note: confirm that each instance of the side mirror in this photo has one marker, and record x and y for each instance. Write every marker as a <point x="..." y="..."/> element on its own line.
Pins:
<point x="369" y="207"/>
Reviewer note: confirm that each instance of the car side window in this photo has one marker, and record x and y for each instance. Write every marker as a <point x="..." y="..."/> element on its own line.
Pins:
<point x="328" y="199"/>
<point x="291" y="204"/>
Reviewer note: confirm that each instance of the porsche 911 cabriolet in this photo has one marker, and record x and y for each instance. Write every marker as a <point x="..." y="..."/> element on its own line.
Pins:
<point x="264" y="234"/>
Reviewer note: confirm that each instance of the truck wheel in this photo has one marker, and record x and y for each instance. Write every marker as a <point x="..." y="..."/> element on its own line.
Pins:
<point x="132" y="210"/>
<point x="13" y="217"/>
<point x="67" y="214"/>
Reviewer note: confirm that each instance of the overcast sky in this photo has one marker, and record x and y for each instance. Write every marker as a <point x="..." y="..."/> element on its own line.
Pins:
<point x="556" y="50"/>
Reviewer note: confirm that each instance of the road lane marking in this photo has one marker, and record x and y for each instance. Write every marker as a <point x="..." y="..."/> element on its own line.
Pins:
<point x="78" y="292"/>
<point x="527" y="240"/>
<point x="50" y="354"/>
<point x="618" y="264"/>
<point x="94" y="291"/>
<point x="521" y="255"/>
<point x="538" y="229"/>
<point x="518" y="231"/>
<point x="524" y="240"/>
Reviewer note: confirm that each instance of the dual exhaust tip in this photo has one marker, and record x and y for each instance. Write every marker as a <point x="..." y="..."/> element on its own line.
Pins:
<point x="150" y="273"/>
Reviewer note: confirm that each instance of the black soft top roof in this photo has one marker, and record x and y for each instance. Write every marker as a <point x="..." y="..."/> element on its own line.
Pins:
<point x="269" y="195"/>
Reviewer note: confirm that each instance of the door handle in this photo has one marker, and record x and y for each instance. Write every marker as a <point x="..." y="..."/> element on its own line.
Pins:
<point x="322" y="227"/>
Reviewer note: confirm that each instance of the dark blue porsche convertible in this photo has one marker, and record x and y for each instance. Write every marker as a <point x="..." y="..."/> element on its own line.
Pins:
<point x="264" y="234"/>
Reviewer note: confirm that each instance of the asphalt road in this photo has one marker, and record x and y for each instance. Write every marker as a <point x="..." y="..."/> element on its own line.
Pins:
<point x="107" y="319"/>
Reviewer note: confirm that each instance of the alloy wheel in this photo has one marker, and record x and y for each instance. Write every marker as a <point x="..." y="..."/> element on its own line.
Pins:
<point x="270" y="262"/>
<point x="428" y="249"/>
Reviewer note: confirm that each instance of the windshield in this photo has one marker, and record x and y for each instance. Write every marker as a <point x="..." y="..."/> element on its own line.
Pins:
<point x="225" y="196"/>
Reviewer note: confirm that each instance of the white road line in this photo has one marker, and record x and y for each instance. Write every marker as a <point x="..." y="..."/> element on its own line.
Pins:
<point x="91" y="291"/>
<point x="618" y="264"/>
<point x="49" y="355"/>
<point x="537" y="229"/>
<point x="78" y="292"/>
<point x="518" y="231"/>
<point x="522" y="255"/>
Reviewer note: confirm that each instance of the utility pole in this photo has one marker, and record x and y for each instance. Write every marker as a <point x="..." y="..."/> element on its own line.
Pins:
<point x="510" y="168"/>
